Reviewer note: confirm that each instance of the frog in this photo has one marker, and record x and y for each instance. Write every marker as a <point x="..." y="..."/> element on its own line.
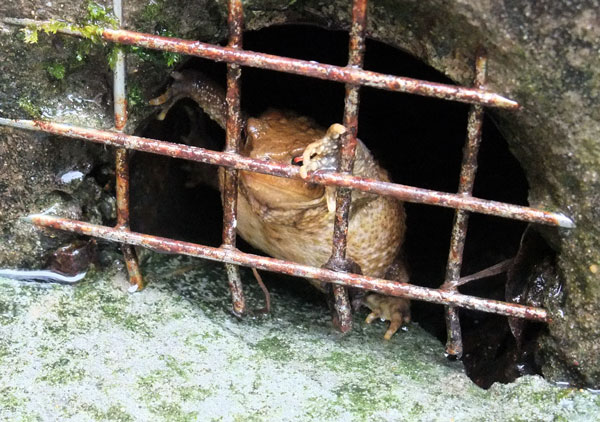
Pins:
<point x="291" y="218"/>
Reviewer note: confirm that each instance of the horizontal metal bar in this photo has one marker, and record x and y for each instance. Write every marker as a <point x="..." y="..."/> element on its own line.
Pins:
<point x="401" y="192"/>
<point x="234" y="256"/>
<point x="300" y="67"/>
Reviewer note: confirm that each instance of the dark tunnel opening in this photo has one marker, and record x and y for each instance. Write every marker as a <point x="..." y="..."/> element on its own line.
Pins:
<point x="418" y="140"/>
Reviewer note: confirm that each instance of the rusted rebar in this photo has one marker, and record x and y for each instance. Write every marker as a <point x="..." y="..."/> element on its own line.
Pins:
<point x="233" y="130"/>
<point x="234" y="256"/>
<point x="339" y="270"/>
<point x="454" y="345"/>
<point x="338" y="259"/>
<point x="401" y="192"/>
<point x="300" y="67"/>
<point x="122" y="158"/>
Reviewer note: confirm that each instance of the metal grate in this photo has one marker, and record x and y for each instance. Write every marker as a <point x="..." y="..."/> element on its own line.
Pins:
<point x="335" y="271"/>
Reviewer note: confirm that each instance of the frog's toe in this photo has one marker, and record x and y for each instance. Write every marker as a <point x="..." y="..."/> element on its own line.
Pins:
<point x="395" y="324"/>
<point x="388" y="308"/>
<point x="372" y="317"/>
<point x="324" y="153"/>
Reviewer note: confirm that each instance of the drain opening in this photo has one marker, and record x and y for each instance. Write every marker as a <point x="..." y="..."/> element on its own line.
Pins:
<point x="418" y="140"/>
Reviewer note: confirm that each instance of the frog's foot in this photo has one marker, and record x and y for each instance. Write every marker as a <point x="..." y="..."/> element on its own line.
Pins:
<point x="324" y="155"/>
<point x="388" y="308"/>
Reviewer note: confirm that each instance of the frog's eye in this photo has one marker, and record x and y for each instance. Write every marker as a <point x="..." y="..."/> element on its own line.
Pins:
<point x="297" y="161"/>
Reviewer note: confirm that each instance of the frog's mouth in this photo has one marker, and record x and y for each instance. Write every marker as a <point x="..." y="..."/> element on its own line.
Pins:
<point x="279" y="192"/>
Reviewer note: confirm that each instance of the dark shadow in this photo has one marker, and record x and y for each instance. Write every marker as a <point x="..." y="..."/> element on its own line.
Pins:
<point x="418" y="139"/>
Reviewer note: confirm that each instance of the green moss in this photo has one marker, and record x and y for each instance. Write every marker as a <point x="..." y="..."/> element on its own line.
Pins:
<point x="135" y="96"/>
<point x="114" y="413"/>
<point x="172" y="412"/>
<point x="417" y="410"/>
<point x="160" y="58"/>
<point x="28" y="107"/>
<point x="4" y="352"/>
<point x="90" y="28"/>
<point x="340" y="361"/>
<point x="115" y="309"/>
<point x="549" y="396"/>
<point x="8" y="312"/>
<point x="98" y="13"/>
<point x="275" y="348"/>
<point x="61" y="372"/>
<point x="191" y="341"/>
<point x="363" y="397"/>
<point x="153" y="11"/>
<point x="113" y="56"/>
<point x="157" y="20"/>
<point x="319" y="410"/>
<point x="153" y="386"/>
<point x="180" y="369"/>
<point x="194" y="393"/>
<point x="257" y="416"/>
<point x="9" y="401"/>
<point x="30" y="35"/>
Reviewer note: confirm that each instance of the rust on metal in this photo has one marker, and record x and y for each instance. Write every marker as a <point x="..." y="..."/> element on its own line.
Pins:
<point x="261" y="284"/>
<point x="300" y="67"/>
<point x="401" y="192"/>
<point x="233" y="130"/>
<point x="356" y="50"/>
<point x="339" y="270"/>
<point x="454" y="344"/>
<point x="120" y="118"/>
<point x="122" y="158"/>
<point x="122" y="186"/>
<point x="133" y="267"/>
<point x="234" y="256"/>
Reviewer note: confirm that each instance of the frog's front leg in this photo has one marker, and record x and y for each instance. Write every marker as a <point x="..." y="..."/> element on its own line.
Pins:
<point x="390" y="308"/>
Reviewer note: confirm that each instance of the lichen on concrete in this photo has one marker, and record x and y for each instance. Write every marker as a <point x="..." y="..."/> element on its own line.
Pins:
<point x="544" y="55"/>
<point x="174" y="352"/>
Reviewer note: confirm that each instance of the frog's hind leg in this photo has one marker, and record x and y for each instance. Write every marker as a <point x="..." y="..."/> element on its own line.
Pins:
<point x="198" y="87"/>
<point x="168" y="98"/>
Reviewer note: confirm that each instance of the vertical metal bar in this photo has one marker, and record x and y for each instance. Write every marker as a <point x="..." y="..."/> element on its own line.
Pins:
<point x="122" y="159"/>
<point x="338" y="260"/>
<point x="233" y="130"/>
<point x="461" y="218"/>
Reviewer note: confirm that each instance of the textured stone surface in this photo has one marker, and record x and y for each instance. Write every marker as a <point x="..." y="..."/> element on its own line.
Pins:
<point x="94" y="352"/>
<point x="544" y="55"/>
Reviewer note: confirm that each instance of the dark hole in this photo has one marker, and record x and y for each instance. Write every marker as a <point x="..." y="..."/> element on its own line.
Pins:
<point x="418" y="139"/>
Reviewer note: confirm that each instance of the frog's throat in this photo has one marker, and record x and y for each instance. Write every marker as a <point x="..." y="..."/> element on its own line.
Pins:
<point x="291" y="204"/>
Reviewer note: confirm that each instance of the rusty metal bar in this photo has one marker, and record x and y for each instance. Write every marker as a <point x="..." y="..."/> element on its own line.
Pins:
<point x="234" y="256"/>
<point x="233" y="129"/>
<point x="401" y="192"/>
<point x="338" y="259"/>
<point x="122" y="159"/>
<point x="454" y="345"/>
<point x="347" y="75"/>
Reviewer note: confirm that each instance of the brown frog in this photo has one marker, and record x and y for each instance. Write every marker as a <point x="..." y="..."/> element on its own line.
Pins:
<point x="293" y="220"/>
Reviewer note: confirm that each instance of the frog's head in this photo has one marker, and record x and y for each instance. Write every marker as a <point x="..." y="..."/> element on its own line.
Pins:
<point x="281" y="137"/>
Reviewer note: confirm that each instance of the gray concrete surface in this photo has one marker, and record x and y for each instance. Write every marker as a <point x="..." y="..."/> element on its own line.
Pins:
<point x="93" y="352"/>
